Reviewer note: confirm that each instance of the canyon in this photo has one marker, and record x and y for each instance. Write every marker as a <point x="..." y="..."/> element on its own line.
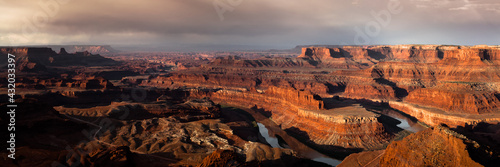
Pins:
<point x="207" y="108"/>
<point x="437" y="146"/>
<point x="465" y="78"/>
<point x="350" y="127"/>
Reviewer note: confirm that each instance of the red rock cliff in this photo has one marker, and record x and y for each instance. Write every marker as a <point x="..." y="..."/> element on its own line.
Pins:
<point x="303" y="99"/>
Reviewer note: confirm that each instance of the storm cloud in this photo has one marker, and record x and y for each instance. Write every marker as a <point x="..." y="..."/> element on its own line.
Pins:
<point x="248" y="24"/>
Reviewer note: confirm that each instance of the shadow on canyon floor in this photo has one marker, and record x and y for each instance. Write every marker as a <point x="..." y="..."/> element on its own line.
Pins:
<point x="488" y="137"/>
<point x="336" y="102"/>
<point x="333" y="151"/>
<point x="242" y="123"/>
<point x="332" y="89"/>
<point x="400" y="92"/>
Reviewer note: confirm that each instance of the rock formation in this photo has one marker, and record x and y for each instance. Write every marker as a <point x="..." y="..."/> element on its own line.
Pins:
<point x="220" y="158"/>
<point x="455" y="98"/>
<point x="40" y="132"/>
<point x="372" y="91"/>
<point x="117" y="156"/>
<point x="94" y="49"/>
<point x="343" y="58"/>
<point x="438" y="146"/>
<point x="302" y="114"/>
<point x="303" y="99"/>
<point x="84" y="83"/>
<point x="363" y="159"/>
<point x="433" y="147"/>
<point x="231" y="62"/>
<point x="163" y="108"/>
<point x="445" y="83"/>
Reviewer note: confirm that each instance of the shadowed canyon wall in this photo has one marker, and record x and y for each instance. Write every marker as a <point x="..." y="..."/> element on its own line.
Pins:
<point x="303" y="114"/>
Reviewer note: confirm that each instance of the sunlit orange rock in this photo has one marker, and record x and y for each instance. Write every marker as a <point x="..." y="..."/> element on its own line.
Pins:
<point x="436" y="146"/>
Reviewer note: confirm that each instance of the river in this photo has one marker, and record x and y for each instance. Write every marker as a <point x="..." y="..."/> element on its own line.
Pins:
<point x="304" y="151"/>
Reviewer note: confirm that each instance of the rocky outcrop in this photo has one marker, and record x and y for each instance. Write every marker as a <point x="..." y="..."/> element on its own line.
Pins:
<point x="475" y="55"/>
<point x="437" y="146"/>
<point x="413" y="74"/>
<point x="317" y="54"/>
<point x="191" y="110"/>
<point x="363" y="159"/>
<point x="114" y="156"/>
<point x="32" y="59"/>
<point x="408" y="53"/>
<point x="27" y="63"/>
<point x="404" y="53"/>
<point x="175" y="139"/>
<point x="441" y="84"/>
<point x="83" y="83"/>
<point x="257" y="154"/>
<point x="434" y="117"/>
<point x="454" y="85"/>
<point x="261" y="152"/>
<point x="369" y="91"/>
<point x="40" y="133"/>
<point x="303" y="99"/>
<point x="346" y="57"/>
<point x="238" y="81"/>
<point x="488" y="137"/>
<point x="374" y="54"/>
<point x="94" y="49"/>
<point x="221" y="158"/>
<point x="234" y="61"/>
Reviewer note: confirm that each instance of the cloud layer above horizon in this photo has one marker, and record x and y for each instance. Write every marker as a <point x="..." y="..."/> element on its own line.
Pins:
<point x="248" y="24"/>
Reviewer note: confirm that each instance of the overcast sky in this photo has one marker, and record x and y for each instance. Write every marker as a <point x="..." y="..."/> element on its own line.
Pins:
<point x="248" y="24"/>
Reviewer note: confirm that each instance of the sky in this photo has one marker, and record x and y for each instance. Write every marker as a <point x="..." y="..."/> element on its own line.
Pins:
<point x="176" y="25"/>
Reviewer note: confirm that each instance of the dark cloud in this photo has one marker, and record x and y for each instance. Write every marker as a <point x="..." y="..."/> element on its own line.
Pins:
<point x="253" y="23"/>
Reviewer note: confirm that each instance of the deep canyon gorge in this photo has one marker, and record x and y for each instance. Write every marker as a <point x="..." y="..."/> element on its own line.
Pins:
<point x="374" y="105"/>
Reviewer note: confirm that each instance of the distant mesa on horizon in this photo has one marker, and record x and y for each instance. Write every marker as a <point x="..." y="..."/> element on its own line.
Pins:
<point x="35" y="59"/>
<point x="298" y="48"/>
<point x="108" y="49"/>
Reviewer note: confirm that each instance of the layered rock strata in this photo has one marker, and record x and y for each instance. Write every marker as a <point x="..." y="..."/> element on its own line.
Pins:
<point x="433" y="116"/>
<point x="350" y="127"/>
<point x="433" y="147"/>
<point x="34" y="59"/>
<point x="456" y="85"/>
<point x="430" y="76"/>
<point x="459" y="101"/>
<point x="438" y="146"/>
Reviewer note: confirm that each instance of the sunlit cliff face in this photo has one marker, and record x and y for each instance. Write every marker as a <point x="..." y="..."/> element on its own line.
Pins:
<point x="256" y="23"/>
